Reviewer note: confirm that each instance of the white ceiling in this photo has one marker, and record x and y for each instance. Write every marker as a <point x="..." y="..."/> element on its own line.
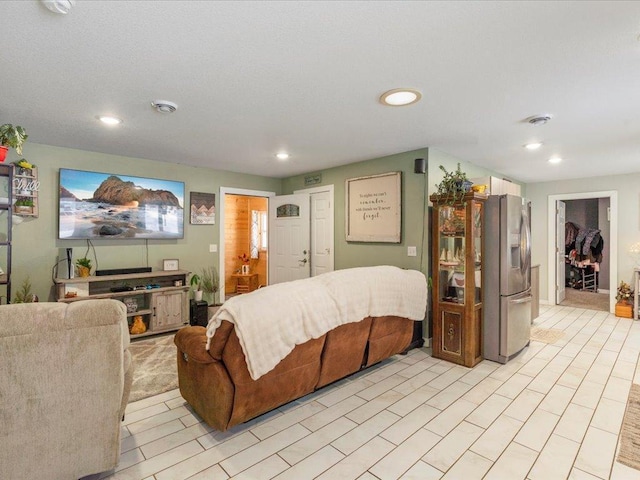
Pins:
<point x="253" y="78"/>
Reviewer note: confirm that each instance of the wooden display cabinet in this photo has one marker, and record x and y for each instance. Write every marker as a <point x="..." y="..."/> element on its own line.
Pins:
<point x="457" y="246"/>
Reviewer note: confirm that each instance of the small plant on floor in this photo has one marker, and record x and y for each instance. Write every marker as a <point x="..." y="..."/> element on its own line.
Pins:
<point x="210" y="282"/>
<point x="625" y="293"/>
<point x="196" y="283"/>
<point x="24" y="295"/>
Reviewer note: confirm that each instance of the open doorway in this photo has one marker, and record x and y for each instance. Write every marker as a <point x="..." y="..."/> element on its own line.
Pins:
<point x="591" y="211"/>
<point x="243" y="214"/>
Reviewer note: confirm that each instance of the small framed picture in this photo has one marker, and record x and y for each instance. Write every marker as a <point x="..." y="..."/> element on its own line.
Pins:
<point x="170" y="264"/>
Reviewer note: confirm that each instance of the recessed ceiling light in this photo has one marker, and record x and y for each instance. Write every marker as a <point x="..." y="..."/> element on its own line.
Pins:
<point x="107" y="120"/>
<point x="400" y="97"/>
<point x="282" y="156"/>
<point x="59" y="6"/>
<point x="555" y="160"/>
<point x="533" y="146"/>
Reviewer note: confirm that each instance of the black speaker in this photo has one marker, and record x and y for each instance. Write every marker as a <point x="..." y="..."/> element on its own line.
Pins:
<point x="419" y="165"/>
<point x="199" y="313"/>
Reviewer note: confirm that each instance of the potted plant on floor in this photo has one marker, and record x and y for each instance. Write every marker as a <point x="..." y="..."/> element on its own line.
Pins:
<point x="83" y="266"/>
<point x="196" y="283"/>
<point x="624" y="307"/>
<point x="11" y="137"/>
<point x="210" y="284"/>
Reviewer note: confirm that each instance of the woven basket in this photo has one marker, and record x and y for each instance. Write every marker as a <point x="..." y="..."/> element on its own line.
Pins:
<point x="624" y="310"/>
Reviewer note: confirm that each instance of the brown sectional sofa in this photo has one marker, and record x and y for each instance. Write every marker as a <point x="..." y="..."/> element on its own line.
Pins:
<point x="217" y="384"/>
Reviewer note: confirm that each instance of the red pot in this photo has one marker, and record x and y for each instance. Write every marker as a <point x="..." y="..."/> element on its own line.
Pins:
<point x="3" y="153"/>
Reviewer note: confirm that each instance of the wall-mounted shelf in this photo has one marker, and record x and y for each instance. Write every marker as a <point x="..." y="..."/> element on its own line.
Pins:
<point x="25" y="190"/>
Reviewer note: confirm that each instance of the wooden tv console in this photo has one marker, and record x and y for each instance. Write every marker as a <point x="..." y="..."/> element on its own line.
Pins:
<point x="160" y="298"/>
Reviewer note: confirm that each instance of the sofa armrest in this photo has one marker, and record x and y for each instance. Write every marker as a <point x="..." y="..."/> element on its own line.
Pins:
<point x="192" y="343"/>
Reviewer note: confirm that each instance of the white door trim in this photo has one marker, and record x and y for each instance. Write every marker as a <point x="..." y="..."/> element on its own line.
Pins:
<point x="613" y="232"/>
<point x="233" y="191"/>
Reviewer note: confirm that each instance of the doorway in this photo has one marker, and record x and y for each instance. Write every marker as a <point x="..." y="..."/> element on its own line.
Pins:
<point x="576" y="201"/>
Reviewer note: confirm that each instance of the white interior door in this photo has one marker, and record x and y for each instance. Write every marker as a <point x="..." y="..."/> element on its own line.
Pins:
<point x="321" y="233"/>
<point x="289" y="237"/>
<point x="560" y="239"/>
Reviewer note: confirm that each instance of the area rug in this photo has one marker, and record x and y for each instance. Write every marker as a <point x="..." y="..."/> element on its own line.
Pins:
<point x="155" y="368"/>
<point x="629" y="453"/>
<point x="585" y="299"/>
<point x="546" y="335"/>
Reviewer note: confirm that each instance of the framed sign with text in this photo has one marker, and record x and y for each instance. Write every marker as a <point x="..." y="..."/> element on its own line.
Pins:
<point x="373" y="208"/>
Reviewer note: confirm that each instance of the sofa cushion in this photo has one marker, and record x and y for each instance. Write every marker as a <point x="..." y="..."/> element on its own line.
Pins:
<point x="389" y="335"/>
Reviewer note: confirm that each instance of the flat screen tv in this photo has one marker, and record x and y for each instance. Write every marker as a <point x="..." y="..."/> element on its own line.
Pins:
<point x="106" y="205"/>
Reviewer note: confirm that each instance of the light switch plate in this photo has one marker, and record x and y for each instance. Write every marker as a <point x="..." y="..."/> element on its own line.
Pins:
<point x="213" y="248"/>
<point x="412" y="251"/>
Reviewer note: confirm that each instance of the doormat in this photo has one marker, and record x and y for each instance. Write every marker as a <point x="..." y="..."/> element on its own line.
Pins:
<point x="629" y="453"/>
<point x="155" y="366"/>
<point x="546" y="335"/>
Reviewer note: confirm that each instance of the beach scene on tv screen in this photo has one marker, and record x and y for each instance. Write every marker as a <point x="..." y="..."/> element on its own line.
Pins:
<point x="104" y="205"/>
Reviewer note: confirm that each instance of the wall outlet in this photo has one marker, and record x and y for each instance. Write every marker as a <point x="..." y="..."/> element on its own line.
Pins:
<point x="213" y="248"/>
<point x="412" y="252"/>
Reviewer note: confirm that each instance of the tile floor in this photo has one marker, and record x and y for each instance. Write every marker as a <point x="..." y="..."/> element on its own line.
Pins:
<point x="554" y="412"/>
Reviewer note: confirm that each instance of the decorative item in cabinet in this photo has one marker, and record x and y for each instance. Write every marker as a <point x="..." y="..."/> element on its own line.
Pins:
<point x="457" y="280"/>
<point x="25" y="189"/>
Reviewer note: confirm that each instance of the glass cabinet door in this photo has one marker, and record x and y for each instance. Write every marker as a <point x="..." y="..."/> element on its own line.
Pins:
<point x="451" y="271"/>
<point x="477" y="249"/>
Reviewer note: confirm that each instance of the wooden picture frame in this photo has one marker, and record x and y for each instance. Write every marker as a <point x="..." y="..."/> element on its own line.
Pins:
<point x="373" y="208"/>
<point x="202" y="209"/>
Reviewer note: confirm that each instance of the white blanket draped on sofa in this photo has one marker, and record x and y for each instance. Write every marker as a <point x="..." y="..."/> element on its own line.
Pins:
<point x="271" y="321"/>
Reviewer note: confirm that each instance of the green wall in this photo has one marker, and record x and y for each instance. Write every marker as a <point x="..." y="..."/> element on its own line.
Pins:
<point x="353" y="254"/>
<point x="35" y="243"/>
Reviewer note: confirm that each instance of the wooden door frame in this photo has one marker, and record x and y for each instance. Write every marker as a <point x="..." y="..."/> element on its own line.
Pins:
<point x="613" y="241"/>
<point x="233" y="191"/>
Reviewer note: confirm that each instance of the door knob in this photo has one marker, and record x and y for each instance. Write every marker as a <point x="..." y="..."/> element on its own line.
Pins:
<point x="303" y="261"/>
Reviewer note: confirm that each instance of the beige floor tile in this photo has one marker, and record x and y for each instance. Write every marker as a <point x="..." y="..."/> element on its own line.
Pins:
<point x="588" y="394"/>
<point x="608" y="416"/>
<point x="172" y="440"/>
<point x="329" y="414"/>
<point x="574" y="422"/>
<point x="572" y="377"/>
<point x="515" y="462"/>
<point x="380" y="387"/>
<point x="258" y="452"/>
<point x="313" y="465"/>
<point x="537" y="430"/>
<point x="409" y="424"/>
<point x="400" y="459"/>
<point x="452" y="447"/>
<point x="622" y="472"/>
<point x="495" y="439"/>
<point x="421" y="471"/>
<point x="416" y="382"/>
<point x="617" y="389"/>
<point x="524" y="405"/>
<point x="413" y="400"/>
<point x="264" y="470"/>
<point x="488" y="411"/>
<point x="298" y="451"/>
<point x="159" y="463"/>
<point x="207" y="459"/>
<point x="157" y="419"/>
<point x="283" y="422"/>
<point x="212" y="472"/>
<point x="372" y="407"/>
<point x="449" y="395"/>
<point x="483" y="390"/>
<point x="450" y="418"/>
<point x="359" y="461"/>
<point x="597" y="453"/>
<point x="512" y="387"/>
<point x="470" y="466"/>
<point x="555" y="460"/>
<point x="557" y="399"/>
<point x="134" y="441"/>
<point x="363" y="433"/>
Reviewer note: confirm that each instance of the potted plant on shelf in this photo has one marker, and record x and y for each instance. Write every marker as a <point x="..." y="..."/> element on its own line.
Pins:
<point x="24" y="167"/>
<point x="197" y="287"/>
<point x="83" y="266"/>
<point x="624" y="307"/>
<point x="24" y="205"/>
<point x="453" y="186"/>
<point x="11" y="137"/>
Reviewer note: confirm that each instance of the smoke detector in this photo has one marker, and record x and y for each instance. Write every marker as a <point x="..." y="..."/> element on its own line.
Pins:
<point x="539" y="119"/>
<point x="164" y="106"/>
<point x="59" y="6"/>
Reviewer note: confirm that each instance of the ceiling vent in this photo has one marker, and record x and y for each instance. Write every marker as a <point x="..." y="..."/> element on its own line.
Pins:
<point x="164" y="106"/>
<point x="539" y="119"/>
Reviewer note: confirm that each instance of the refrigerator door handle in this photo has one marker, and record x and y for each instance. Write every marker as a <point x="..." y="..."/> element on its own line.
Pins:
<point x="522" y="300"/>
<point x="525" y="253"/>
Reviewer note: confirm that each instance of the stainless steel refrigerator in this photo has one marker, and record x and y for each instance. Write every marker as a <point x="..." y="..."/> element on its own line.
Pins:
<point x="507" y="282"/>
